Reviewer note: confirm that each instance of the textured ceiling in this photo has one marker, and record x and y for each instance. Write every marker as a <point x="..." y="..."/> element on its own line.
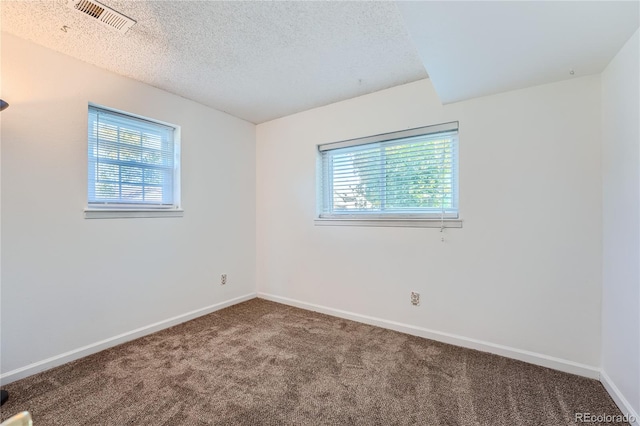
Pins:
<point x="254" y="60"/>
<point x="477" y="48"/>
<point x="261" y="60"/>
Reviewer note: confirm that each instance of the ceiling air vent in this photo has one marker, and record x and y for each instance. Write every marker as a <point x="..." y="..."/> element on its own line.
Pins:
<point x="103" y="14"/>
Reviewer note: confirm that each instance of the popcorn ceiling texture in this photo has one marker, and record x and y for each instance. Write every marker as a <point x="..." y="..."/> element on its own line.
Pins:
<point x="255" y="60"/>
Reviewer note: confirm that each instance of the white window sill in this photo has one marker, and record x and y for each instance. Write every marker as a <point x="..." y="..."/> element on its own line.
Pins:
<point x="408" y="223"/>
<point x="93" y="213"/>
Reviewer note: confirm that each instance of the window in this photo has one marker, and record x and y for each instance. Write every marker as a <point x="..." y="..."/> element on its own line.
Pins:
<point x="134" y="165"/>
<point x="406" y="175"/>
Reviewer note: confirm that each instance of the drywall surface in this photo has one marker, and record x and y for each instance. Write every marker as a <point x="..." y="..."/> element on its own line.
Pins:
<point x="68" y="282"/>
<point x="523" y="272"/>
<point x="621" y="222"/>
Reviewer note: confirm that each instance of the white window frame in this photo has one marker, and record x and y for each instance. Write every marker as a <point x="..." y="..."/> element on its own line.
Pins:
<point x="110" y="210"/>
<point x="444" y="220"/>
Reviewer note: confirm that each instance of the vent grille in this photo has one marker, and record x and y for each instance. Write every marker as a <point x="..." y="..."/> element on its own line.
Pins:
<point x="103" y="14"/>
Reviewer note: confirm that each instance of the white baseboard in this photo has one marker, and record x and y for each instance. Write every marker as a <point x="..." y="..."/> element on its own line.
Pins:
<point x="506" y="351"/>
<point x="54" y="361"/>
<point x="618" y="398"/>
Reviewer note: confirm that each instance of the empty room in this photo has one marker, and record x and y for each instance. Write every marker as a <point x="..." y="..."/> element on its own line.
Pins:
<point x="319" y="213"/>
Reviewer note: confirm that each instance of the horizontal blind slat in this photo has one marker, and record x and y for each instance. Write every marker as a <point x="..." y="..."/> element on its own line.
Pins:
<point x="417" y="174"/>
<point x="131" y="159"/>
<point x="409" y="134"/>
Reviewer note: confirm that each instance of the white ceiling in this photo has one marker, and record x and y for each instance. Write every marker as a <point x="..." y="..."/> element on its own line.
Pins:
<point x="254" y="60"/>
<point x="263" y="60"/>
<point x="476" y="48"/>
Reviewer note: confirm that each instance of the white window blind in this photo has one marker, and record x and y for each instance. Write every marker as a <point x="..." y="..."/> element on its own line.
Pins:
<point x="407" y="174"/>
<point x="133" y="162"/>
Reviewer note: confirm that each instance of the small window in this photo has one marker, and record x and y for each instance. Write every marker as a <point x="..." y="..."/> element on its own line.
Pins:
<point x="411" y="174"/>
<point x="134" y="162"/>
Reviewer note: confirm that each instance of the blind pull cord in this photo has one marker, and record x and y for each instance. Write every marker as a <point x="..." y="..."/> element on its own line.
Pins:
<point x="442" y="199"/>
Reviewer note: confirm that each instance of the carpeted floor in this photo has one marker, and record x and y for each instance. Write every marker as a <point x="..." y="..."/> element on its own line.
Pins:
<point x="263" y="363"/>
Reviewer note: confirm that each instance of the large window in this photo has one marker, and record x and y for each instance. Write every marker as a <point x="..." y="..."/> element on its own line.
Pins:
<point x="412" y="174"/>
<point x="133" y="162"/>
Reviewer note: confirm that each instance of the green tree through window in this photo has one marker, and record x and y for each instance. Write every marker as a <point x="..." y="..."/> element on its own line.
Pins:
<point x="415" y="175"/>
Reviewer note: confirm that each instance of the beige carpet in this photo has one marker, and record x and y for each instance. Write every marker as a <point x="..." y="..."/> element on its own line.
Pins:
<point x="263" y="363"/>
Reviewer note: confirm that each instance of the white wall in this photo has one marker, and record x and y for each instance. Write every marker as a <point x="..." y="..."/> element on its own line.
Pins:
<point x="67" y="281"/>
<point x="523" y="272"/>
<point x="621" y="222"/>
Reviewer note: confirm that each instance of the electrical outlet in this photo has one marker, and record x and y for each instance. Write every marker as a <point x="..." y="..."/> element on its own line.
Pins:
<point x="223" y="279"/>
<point x="415" y="298"/>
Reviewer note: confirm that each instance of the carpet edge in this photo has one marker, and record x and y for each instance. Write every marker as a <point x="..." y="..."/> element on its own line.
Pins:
<point x="618" y="397"/>
<point x="539" y="359"/>
<point x="74" y="354"/>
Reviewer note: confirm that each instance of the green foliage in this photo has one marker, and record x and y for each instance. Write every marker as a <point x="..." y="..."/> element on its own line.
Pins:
<point x="414" y="175"/>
